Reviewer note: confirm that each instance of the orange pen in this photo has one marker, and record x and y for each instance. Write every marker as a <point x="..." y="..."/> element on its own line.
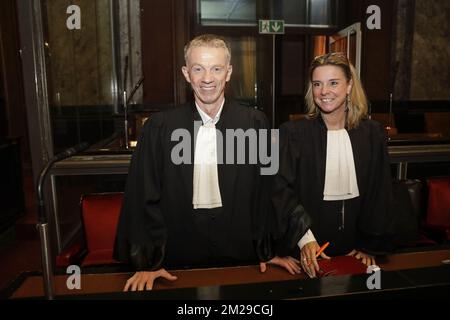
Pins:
<point x="322" y="248"/>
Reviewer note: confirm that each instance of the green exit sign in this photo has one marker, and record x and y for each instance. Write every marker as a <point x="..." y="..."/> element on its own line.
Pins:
<point x="271" y="26"/>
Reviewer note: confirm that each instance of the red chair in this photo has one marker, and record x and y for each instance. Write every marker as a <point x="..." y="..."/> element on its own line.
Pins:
<point x="438" y="213"/>
<point x="100" y="214"/>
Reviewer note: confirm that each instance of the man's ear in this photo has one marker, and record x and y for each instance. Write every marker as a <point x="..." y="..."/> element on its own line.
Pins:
<point x="185" y="71"/>
<point x="229" y="72"/>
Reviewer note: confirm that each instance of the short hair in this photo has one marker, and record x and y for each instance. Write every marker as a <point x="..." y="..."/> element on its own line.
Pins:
<point x="207" y="40"/>
<point x="357" y="106"/>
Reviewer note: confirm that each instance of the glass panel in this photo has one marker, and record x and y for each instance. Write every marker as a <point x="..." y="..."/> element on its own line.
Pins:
<point x="348" y="41"/>
<point x="242" y="85"/>
<point x="291" y="11"/>
<point x="306" y="13"/>
<point x="227" y="12"/>
<point x="322" y="12"/>
<point x="81" y="83"/>
<point x="339" y="44"/>
<point x="320" y="45"/>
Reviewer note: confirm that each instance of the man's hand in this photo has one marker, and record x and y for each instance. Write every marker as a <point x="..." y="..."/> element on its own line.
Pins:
<point x="365" y="258"/>
<point x="144" y="280"/>
<point x="289" y="263"/>
<point x="308" y="258"/>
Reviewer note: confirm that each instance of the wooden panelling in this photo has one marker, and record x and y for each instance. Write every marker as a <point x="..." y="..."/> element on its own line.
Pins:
<point x="293" y="65"/>
<point x="376" y="47"/>
<point x="3" y="122"/>
<point x="157" y="23"/>
<point x="14" y="115"/>
<point x="165" y="29"/>
<point x="183" y="20"/>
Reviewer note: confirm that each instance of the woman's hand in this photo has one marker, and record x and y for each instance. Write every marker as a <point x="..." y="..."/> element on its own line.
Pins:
<point x="308" y="258"/>
<point x="365" y="258"/>
<point x="144" y="279"/>
<point x="289" y="263"/>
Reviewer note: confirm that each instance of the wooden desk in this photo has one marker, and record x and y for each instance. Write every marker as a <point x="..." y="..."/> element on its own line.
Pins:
<point x="247" y="282"/>
<point x="407" y="148"/>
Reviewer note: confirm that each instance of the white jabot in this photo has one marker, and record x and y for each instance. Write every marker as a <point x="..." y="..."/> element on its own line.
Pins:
<point x="206" y="191"/>
<point x="340" y="175"/>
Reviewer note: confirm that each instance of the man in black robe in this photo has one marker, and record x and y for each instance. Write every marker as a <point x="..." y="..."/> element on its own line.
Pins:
<point x="179" y="215"/>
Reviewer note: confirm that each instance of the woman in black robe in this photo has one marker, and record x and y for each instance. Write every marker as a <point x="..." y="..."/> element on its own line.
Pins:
<point x="334" y="182"/>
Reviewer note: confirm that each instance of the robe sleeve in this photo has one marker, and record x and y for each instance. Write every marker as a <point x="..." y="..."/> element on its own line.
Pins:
<point x="376" y="220"/>
<point x="261" y="200"/>
<point x="141" y="233"/>
<point x="291" y="221"/>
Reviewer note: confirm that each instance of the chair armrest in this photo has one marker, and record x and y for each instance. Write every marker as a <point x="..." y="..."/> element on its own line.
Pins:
<point x="71" y="255"/>
<point x="441" y="234"/>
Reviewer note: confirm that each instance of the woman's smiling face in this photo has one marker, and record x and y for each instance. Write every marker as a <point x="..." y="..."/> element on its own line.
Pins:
<point x="330" y="88"/>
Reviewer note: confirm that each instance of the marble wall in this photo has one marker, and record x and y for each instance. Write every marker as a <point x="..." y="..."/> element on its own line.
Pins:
<point x="130" y="44"/>
<point x="421" y="50"/>
<point x="80" y="62"/>
<point x="430" y="65"/>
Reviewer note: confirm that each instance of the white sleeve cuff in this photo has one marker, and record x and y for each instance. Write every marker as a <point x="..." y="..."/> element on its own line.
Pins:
<point x="308" y="237"/>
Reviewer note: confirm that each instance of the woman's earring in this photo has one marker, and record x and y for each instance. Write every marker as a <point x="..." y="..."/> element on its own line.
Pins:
<point x="348" y="102"/>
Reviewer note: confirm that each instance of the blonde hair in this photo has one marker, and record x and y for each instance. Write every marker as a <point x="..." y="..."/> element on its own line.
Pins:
<point x="207" y="40"/>
<point x="357" y="102"/>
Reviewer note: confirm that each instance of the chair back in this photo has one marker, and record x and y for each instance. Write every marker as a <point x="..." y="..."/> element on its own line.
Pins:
<point x="297" y="116"/>
<point x="437" y="122"/>
<point x="100" y="213"/>
<point x="438" y="212"/>
<point x="387" y="121"/>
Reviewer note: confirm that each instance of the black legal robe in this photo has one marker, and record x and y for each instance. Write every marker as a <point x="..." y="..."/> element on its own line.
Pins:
<point x="158" y="226"/>
<point x="298" y="190"/>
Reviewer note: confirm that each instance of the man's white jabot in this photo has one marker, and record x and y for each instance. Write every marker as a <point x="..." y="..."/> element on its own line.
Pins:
<point x="206" y="191"/>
